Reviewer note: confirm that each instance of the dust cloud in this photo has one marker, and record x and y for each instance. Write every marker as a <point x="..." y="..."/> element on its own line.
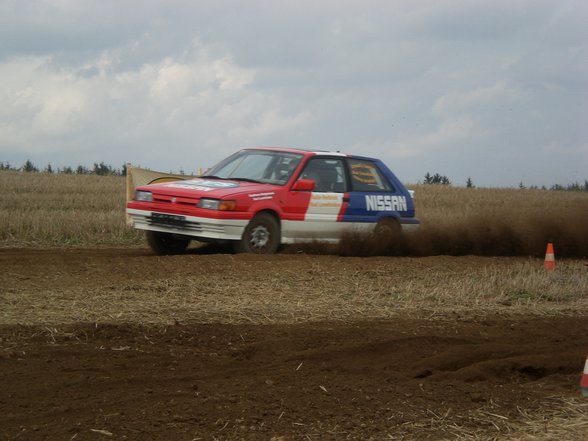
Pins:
<point x="480" y="235"/>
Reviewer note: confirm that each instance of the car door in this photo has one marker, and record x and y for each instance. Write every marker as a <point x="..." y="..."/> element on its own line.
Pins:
<point x="372" y="196"/>
<point x="327" y="200"/>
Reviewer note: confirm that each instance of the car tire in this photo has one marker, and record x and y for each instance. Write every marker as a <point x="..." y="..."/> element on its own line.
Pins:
<point x="261" y="235"/>
<point x="166" y="243"/>
<point x="388" y="229"/>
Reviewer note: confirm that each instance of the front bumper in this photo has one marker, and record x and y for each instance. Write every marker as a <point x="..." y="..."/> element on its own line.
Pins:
<point x="197" y="227"/>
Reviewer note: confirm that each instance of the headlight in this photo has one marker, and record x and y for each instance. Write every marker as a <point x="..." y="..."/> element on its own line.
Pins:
<point x="143" y="196"/>
<point x="209" y="204"/>
<point x="216" y="204"/>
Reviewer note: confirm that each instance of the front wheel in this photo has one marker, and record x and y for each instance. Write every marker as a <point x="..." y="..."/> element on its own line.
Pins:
<point x="165" y="243"/>
<point x="261" y="236"/>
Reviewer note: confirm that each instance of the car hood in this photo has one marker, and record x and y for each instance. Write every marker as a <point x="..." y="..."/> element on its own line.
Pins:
<point x="210" y="188"/>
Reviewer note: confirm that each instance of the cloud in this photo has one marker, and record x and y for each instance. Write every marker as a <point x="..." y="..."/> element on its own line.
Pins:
<point x="268" y="123"/>
<point x="50" y="107"/>
<point x="39" y="103"/>
<point x="442" y="138"/>
<point x="464" y="101"/>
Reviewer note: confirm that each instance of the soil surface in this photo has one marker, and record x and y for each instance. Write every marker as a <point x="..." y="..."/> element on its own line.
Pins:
<point x="403" y="378"/>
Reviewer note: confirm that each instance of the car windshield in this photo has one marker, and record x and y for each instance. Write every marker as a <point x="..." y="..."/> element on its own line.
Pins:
<point x="268" y="167"/>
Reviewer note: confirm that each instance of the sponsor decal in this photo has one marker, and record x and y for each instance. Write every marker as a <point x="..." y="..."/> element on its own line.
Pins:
<point x="262" y="196"/>
<point x="364" y="173"/>
<point x="324" y="207"/>
<point x="385" y="203"/>
<point x="203" y="184"/>
<point x="325" y="200"/>
<point x="191" y="187"/>
<point x="213" y="183"/>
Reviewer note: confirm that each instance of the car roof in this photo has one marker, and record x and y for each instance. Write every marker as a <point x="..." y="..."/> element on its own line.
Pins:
<point x="300" y="151"/>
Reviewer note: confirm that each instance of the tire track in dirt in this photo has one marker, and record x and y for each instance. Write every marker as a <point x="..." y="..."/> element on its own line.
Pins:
<point x="360" y="380"/>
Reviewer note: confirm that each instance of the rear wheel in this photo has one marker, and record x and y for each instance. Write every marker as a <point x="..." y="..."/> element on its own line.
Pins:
<point x="261" y="236"/>
<point x="166" y="243"/>
<point x="388" y="229"/>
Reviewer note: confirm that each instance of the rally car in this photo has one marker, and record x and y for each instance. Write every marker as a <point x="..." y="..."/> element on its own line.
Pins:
<point x="261" y="198"/>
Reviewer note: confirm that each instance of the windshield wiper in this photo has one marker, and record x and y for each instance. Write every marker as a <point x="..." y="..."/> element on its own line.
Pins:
<point x="230" y="179"/>
<point x="211" y="177"/>
<point x="246" y="180"/>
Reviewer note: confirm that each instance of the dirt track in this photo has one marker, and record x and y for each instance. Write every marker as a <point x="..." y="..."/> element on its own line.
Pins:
<point x="405" y="377"/>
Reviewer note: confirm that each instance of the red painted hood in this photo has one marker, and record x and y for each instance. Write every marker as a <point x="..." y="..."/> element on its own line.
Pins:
<point x="209" y="188"/>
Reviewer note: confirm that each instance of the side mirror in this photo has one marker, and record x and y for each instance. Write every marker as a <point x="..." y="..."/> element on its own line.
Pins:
<point x="303" y="185"/>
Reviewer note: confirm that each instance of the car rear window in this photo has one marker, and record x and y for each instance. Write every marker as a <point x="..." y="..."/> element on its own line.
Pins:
<point x="365" y="176"/>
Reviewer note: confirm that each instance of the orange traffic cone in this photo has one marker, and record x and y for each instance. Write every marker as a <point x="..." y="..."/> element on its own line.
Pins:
<point x="584" y="380"/>
<point x="549" y="263"/>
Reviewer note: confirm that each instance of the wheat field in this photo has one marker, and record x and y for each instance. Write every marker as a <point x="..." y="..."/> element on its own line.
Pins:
<point x="48" y="210"/>
<point x="41" y="209"/>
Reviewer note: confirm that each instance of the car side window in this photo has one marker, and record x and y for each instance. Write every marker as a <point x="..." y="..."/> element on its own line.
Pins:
<point x="365" y="176"/>
<point x="327" y="173"/>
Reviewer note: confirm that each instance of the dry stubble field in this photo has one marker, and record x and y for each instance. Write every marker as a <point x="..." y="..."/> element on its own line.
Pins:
<point x="457" y="333"/>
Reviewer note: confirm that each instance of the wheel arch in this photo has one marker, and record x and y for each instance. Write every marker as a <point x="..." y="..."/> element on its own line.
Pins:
<point x="271" y="212"/>
<point x="388" y="216"/>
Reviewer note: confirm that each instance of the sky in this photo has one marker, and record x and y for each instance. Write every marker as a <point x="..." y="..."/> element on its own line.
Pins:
<point x="495" y="91"/>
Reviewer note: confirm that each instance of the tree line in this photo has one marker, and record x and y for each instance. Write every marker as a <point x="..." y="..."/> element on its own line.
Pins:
<point x="102" y="169"/>
<point x="438" y="179"/>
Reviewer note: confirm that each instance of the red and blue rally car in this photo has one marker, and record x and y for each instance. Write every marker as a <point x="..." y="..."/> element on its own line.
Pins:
<point x="261" y="198"/>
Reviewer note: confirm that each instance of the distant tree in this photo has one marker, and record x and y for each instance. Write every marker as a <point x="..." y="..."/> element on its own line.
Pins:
<point x="81" y="170"/>
<point x="124" y="170"/>
<point x="436" y="179"/>
<point x="575" y="186"/>
<point x="521" y="185"/>
<point x="5" y="166"/>
<point x="29" y="167"/>
<point x="102" y="169"/>
<point x="67" y="170"/>
<point x="470" y="183"/>
<point x="48" y="169"/>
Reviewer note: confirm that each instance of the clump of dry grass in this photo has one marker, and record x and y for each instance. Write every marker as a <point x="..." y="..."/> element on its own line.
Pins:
<point x="556" y="418"/>
<point x="559" y="418"/>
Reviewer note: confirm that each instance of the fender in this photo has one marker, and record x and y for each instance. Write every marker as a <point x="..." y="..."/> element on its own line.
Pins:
<point x="266" y="205"/>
